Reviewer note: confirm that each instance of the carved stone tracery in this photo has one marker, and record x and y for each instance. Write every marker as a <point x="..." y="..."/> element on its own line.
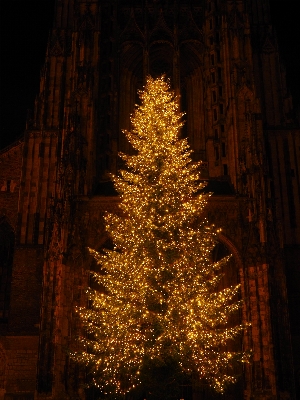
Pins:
<point x="100" y="64"/>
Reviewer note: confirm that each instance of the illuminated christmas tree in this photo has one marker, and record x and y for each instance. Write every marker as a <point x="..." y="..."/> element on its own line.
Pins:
<point x="158" y="297"/>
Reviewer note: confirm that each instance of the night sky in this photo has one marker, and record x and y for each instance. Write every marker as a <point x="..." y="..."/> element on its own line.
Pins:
<point x="25" y="26"/>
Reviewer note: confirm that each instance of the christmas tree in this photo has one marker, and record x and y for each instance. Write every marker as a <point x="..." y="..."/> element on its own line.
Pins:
<point x="158" y="298"/>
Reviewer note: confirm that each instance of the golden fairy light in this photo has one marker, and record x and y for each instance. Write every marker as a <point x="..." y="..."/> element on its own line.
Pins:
<point x="160" y="285"/>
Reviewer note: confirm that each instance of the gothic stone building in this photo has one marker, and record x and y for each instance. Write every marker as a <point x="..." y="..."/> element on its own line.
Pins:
<point x="222" y="59"/>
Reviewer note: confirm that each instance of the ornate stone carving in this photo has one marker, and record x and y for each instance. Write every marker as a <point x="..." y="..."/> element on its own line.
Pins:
<point x="85" y="75"/>
<point x="268" y="45"/>
<point x="56" y="46"/>
<point x="132" y="31"/>
<point x="35" y="134"/>
<point x="73" y="163"/>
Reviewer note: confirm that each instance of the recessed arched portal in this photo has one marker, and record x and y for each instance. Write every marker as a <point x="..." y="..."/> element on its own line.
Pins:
<point x="231" y="277"/>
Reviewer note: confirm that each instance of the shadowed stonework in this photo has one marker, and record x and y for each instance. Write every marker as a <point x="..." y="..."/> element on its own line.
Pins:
<point x="222" y="60"/>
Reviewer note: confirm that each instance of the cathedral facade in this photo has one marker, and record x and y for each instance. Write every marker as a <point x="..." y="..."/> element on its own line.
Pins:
<point x="222" y="60"/>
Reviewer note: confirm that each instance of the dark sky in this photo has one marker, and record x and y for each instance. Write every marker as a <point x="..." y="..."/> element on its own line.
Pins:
<point x="25" y="26"/>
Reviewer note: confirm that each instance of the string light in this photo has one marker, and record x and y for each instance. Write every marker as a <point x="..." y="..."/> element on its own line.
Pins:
<point x="160" y="286"/>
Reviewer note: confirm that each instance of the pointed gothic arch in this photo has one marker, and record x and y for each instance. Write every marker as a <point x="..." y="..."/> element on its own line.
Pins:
<point x="233" y="275"/>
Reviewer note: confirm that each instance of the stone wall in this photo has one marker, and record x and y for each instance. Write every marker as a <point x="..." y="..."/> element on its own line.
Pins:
<point x="10" y="173"/>
<point x="18" y="376"/>
<point x="26" y="286"/>
<point x="19" y="332"/>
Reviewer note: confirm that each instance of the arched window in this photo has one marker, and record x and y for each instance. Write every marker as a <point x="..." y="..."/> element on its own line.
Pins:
<point x="7" y="240"/>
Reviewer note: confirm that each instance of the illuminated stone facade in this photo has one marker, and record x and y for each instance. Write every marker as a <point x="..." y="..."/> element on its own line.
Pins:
<point x="222" y="59"/>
